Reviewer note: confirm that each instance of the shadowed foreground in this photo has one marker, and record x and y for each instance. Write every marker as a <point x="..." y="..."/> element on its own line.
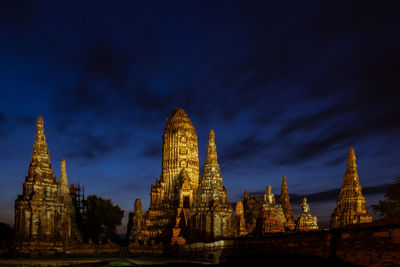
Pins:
<point x="157" y="261"/>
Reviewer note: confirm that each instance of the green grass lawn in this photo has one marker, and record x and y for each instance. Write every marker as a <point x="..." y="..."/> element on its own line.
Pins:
<point x="120" y="263"/>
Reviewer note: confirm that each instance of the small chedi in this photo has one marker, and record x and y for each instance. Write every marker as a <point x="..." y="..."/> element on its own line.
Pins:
<point x="351" y="206"/>
<point x="136" y="228"/>
<point x="212" y="214"/>
<point x="273" y="218"/>
<point x="307" y="221"/>
<point x="44" y="213"/>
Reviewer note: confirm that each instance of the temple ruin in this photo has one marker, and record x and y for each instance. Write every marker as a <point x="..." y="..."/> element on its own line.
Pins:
<point x="183" y="208"/>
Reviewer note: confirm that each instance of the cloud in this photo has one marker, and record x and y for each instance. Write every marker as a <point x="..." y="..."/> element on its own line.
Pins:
<point x="86" y="145"/>
<point x="3" y="120"/>
<point x="132" y="187"/>
<point x="26" y="120"/>
<point x="336" y="161"/>
<point x="152" y="150"/>
<point x="277" y="68"/>
<point x="243" y="149"/>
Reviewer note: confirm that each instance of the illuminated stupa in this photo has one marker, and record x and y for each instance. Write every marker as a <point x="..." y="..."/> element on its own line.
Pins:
<point x="351" y="205"/>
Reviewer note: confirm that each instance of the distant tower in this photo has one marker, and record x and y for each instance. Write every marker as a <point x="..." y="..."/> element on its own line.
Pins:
<point x="63" y="178"/>
<point x="284" y="200"/>
<point x="213" y="214"/>
<point x="351" y="205"/>
<point x="69" y="210"/>
<point x="136" y="228"/>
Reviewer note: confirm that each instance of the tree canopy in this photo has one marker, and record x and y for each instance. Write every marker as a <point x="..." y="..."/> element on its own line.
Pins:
<point x="391" y="205"/>
<point x="102" y="219"/>
<point x="6" y="234"/>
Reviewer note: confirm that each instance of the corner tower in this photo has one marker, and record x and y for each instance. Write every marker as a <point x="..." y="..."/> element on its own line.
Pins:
<point x="44" y="214"/>
<point x="351" y="206"/>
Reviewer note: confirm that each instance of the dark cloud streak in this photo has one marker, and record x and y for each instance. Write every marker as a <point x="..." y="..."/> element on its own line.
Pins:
<point x="324" y="196"/>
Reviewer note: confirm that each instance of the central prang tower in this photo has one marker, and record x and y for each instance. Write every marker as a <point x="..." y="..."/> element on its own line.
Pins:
<point x="180" y="153"/>
<point x="175" y="191"/>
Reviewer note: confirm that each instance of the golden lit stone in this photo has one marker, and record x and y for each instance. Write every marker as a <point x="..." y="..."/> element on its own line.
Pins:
<point x="284" y="200"/>
<point x="272" y="214"/>
<point x="179" y="178"/>
<point x="241" y="224"/>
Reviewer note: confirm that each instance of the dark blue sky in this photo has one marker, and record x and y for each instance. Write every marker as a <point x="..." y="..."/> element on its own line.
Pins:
<point x="288" y="87"/>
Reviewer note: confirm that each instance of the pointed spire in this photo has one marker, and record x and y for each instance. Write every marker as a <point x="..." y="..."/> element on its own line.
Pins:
<point x="40" y="166"/>
<point x="351" y="168"/>
<point x="40" y="145"/>
<point x="284" y="197"/>
<point x="63" y="177"/>
<point x="211" y="184"/>
<point x="137" y="209"/>
<point x="211" y="157"/>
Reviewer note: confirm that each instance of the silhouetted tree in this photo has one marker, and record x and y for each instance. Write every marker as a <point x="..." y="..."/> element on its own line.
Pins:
<point x="6" y="233"/>
<point x="102" y="219"/>
<point x="391" y="205"/>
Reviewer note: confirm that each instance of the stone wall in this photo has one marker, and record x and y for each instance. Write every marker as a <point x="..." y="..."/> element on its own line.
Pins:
<point x="42" y="248"/>
<point x="369" y="245"/>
